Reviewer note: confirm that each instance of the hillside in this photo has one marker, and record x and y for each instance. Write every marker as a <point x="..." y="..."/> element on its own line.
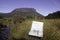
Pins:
<point x="25" y="12"/>
<point x="54" y="15"/>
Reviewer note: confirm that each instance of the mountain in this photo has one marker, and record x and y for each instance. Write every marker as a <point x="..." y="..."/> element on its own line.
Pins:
<point x="54" y="15"/>
<point x="24" y="10"/>
<point x="29" y="12"/>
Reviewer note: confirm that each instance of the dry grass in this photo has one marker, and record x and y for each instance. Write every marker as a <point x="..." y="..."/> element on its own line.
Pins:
<point x="51" y="30"/>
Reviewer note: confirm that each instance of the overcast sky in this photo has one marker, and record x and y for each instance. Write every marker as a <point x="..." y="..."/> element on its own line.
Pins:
<point x="44" y="7"/>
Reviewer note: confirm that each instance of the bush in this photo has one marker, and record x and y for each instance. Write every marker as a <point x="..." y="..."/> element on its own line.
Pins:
<point x="1" y="17"/>
<point x="20" y="39"/>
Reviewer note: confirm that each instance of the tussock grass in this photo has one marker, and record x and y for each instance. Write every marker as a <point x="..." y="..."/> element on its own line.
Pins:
<point x="21" y="30"/>
<point x="51" y="31"/>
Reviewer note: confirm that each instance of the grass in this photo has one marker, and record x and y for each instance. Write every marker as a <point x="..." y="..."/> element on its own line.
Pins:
<point x="21" y="30"/>
<point x="51" y="31"/>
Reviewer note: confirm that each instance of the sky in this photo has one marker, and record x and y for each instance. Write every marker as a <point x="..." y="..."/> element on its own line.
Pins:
<point x="43" y="7"/>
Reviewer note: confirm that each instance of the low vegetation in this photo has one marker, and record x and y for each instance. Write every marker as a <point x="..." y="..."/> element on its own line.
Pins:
<point x="21" y="30"/>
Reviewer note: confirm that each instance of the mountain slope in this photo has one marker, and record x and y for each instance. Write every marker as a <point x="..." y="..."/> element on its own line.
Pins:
<point x="53" y="15"/>
<point x="30" y="12"/>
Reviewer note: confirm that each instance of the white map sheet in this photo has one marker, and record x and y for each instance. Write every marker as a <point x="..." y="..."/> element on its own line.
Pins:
<point x="36" y="29"/>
